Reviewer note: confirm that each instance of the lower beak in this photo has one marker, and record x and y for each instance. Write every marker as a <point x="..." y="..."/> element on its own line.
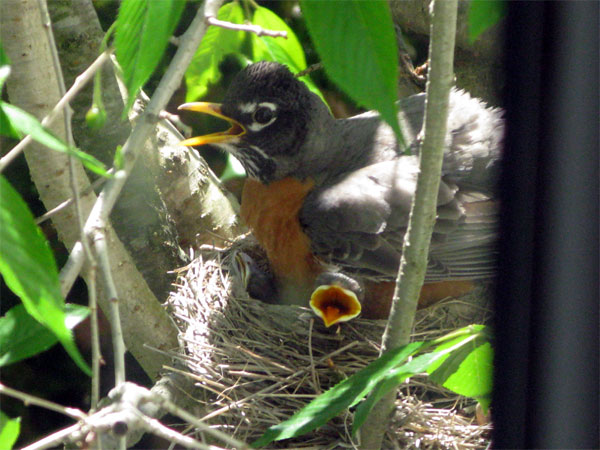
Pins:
<point x="214" y="109"/>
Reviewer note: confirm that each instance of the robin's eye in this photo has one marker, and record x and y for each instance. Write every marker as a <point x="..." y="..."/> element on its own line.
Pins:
<point x="263" y="115"/>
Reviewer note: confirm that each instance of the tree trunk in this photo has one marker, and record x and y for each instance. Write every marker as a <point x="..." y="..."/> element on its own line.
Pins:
<point x="33" y="86"/>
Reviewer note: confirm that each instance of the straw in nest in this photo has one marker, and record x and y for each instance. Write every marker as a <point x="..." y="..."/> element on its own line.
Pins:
<point x="257" y="364"/>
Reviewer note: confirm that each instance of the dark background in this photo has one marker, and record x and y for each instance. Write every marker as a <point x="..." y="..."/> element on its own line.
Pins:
<point x="546" y="380"/>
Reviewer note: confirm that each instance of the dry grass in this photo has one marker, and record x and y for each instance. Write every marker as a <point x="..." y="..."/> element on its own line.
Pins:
<point x="257" y="364"/>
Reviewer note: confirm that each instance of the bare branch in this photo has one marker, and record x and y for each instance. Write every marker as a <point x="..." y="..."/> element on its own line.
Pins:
<point x="55" y="439"/>
<point x="259" y="31"/>
<point x="33" y="400"/>
<point x="155" y="427"/>
<point x="113" y="299"/>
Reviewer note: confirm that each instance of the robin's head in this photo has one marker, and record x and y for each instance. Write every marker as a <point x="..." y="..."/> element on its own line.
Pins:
<point x="269" y="112"/>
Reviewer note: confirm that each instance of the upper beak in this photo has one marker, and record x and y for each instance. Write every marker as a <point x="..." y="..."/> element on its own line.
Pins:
<point x="214" y="109"/>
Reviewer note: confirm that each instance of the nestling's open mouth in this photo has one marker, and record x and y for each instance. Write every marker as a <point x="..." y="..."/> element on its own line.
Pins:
<point x="334" y="304"/>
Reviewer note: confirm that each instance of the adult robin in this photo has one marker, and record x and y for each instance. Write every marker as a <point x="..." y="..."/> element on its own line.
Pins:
<point x="329" y="199"/>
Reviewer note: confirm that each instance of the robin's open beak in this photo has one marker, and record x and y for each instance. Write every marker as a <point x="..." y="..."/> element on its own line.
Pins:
<point x="214" y="109"/>
<point x="334" y="304"/>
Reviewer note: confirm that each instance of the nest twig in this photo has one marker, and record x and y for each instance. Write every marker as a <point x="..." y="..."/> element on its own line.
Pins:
<point x="257" y="364"/>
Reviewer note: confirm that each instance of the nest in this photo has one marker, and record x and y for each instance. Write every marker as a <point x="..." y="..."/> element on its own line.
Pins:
<point x="256" y="364"/>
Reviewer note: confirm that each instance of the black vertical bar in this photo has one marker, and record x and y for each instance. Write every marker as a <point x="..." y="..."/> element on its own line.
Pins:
<point x="546" y="392"/>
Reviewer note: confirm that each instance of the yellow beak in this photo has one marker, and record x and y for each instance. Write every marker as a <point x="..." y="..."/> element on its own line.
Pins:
<point x="334" y="304"/>
<point x="214" y="109"/>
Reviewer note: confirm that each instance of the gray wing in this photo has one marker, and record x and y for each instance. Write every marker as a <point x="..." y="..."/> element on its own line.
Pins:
<point x="358" y="223"/>
<point x="358" y="220"/>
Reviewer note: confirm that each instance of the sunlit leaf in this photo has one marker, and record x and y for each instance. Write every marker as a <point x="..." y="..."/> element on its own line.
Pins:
<point x="29" y="269"/>
<point x="216" y="44"/>
<point x="26" y="124"/>
<point x="9" y="431"/>
<point x="21" y="336"/>
<point x="467" y="371"/>
<point x="357" y="45"/>
<point x="141" y="37"/>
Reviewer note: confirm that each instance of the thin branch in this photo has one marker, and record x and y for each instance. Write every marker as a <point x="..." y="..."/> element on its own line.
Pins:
<point x="312" y="361"/>
<point x="78" y="85"/>
<point x="423" y="212"/>
<point x="259" y="31"/>
<point x="155" y="427"/>
<point x="92" y="187"/>
<point x="424" y="208"/>
<point x="55" y="439"/>
<point x="70" y="271"/>
<point x="91" y="286"/>
<point x="99" y="239"/>
<point x="172" y="408"/>
<point x="74" y="413"/>
<point x="190" y="40"/>
<point x="95" y="336"/>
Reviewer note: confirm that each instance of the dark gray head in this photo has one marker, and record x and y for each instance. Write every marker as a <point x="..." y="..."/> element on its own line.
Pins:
<point x="270" y="111"/>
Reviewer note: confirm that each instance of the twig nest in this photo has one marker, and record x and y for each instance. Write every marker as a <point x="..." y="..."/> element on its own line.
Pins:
<point x="256" y="364"/>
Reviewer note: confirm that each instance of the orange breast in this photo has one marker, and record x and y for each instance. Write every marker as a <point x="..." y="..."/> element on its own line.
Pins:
<point x="271" y="212"/>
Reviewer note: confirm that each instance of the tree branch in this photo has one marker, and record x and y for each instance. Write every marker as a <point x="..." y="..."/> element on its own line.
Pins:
<point x="423" y="212"/>
<point x="74" y="413"/>
<point x="79" y="84"/>
<point x="259" y="31"/>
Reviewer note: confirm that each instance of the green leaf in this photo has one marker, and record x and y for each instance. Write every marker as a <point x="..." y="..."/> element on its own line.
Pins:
<point x="392" y="379"/>
<point x="382" y="388"/>
<point x="216" y="44"/>
<point x="4" y="60"/>
<point x="233" y="169"/>
<point x="142" y="34"/>
<point x="6" y="129"/>
<point x="284" y="51"/>
<point x="344" y="395"/>
<point x="483" y="14"/>
<point x="25" y="123"/>
<point x="4" y="73"/>
<point x="449" y="347"/>
<point x="290" y="50"/>
<point x="119" y="161"/>
<point x="357" y="45"/>
<point x="475" y="334"/>
<point x="21" y="336"/>
<point x="468" y="371"/>
<point x="29" y="269"/>
<point x="9" y="431"/>
<point x="219" y="43"/>
<point x="89" y="162"/>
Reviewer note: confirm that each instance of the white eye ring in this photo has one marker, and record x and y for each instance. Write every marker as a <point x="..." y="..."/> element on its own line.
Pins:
<point x="263" y="116"/>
